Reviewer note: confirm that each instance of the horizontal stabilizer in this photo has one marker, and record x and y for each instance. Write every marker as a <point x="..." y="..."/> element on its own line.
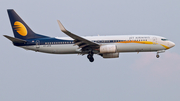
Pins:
<point x="15" y="40"/>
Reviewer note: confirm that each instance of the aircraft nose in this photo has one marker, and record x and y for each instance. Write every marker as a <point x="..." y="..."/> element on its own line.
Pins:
<point x="172" y="44"/>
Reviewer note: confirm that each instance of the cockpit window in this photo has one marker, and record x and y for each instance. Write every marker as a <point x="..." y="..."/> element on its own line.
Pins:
<point x="164" y="39"/>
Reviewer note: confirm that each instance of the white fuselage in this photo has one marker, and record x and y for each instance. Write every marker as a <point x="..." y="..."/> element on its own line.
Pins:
<point x="124" y="43"/>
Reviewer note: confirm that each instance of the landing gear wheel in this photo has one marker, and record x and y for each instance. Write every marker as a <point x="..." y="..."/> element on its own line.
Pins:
<point x="91" y="59"/>
<point x="90" y="56"/>
<point x="157" y="56"/>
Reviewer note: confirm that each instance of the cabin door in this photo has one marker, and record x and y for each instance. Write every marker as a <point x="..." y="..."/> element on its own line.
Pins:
<point x="37" y="44"/>
<point x="154" y="40"/>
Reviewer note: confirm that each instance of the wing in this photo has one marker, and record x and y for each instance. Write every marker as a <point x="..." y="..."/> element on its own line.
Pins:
<point x="81" y="42"/>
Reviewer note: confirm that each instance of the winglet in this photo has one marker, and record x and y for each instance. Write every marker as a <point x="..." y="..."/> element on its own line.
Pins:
<point x="61" y="26"/>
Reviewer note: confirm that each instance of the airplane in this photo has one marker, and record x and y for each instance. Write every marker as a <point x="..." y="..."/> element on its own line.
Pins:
<point x="105" y="46"/>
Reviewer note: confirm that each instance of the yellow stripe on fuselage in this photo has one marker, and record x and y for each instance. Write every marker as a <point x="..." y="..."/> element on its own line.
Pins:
<point x="165" y="46"/>
<point x="140" y="42"/>
<point x="144" y="42"/>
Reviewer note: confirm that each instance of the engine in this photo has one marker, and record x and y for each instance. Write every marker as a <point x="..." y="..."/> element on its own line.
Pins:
<point x="108" y="49"/>
<point x="110" y="55"/>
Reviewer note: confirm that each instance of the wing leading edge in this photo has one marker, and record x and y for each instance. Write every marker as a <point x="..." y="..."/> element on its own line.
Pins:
<point x="81" y="42"/>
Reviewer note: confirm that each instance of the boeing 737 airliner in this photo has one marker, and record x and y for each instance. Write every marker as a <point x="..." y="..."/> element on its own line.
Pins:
<point x="105" y="46"/>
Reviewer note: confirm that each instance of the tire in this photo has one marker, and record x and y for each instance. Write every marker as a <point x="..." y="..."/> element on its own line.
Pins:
<point x="91" y="59"/>
<point x="157" y="56"/>
<point x="89" y="56"/>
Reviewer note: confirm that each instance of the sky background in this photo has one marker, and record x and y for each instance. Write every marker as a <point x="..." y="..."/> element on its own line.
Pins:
<point x="32" y="76"/>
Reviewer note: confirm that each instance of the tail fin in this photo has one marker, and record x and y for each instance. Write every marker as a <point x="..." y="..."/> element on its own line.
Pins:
<point x="20" y="28"/>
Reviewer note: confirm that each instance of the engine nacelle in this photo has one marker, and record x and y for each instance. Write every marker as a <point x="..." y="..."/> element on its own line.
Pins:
<point x="108" y="49"/>
<point x="110" y="55"/>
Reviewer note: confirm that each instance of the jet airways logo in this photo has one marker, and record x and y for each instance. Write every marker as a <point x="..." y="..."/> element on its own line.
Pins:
<point x="20" y="28"/>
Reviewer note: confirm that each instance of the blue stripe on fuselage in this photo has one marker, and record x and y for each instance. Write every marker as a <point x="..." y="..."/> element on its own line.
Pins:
<point x="53" y="41"/>
<point x="42" y="41"/>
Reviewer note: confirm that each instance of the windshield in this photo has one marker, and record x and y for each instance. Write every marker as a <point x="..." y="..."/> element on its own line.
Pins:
<point x="164" y="39"/>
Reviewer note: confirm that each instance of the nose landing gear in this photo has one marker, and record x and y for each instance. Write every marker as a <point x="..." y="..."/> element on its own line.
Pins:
<point x="157" y="56"/>
<point x="90" y="56"/>
<point x="161" y="51"/>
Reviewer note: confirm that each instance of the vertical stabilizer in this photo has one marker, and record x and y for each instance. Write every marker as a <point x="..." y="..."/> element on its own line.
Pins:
<point x="20" y="29"/>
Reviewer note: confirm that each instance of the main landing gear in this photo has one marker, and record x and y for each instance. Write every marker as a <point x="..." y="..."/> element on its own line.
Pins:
<point x="90" y="56"/>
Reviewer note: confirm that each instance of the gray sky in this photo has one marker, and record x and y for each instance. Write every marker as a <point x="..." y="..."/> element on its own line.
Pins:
<point x="31" y="76"/>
